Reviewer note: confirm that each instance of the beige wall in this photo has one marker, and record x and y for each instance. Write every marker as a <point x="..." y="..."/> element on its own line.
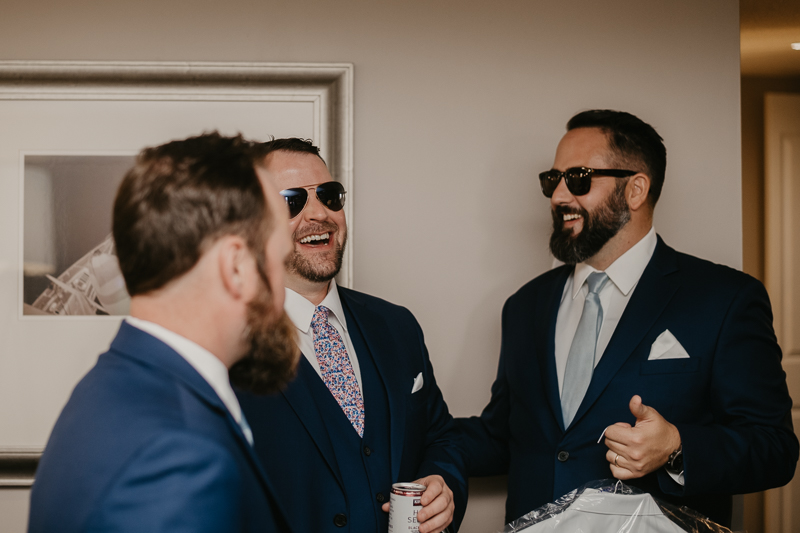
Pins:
<point x="458" y="104"/>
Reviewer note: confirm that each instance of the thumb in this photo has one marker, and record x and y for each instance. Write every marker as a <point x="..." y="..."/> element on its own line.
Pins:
<point x="638" y="409"/>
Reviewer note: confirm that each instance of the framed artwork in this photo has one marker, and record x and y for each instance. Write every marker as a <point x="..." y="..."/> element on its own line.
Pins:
<point x="68" y="133"/>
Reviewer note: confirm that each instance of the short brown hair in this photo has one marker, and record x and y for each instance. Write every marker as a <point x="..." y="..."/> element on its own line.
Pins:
<point x="289" y="144"/>
<point x="178" y="199"/>
<point x="632" y="141"/>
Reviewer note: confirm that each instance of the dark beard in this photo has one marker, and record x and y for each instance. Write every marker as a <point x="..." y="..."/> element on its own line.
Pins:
<point x="318" y="272"/>
<point x="272" y="354"/>
<point x="598" y="228"/>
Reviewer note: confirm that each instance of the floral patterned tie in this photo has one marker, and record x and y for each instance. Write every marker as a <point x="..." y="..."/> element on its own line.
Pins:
<point x="337" y="372"/>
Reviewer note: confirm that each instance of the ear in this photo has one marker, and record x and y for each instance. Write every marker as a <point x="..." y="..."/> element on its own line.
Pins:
<point x="637" y="190"/>
<point x="235" y="266"/>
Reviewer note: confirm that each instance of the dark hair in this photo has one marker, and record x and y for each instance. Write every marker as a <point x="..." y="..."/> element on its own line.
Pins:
<point x="633" y="142"/>
<point x="178" y="199"/>
<point x="289" y="144"/>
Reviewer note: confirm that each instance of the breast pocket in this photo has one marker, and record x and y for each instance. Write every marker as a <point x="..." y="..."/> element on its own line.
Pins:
<point x="670" y="366"/>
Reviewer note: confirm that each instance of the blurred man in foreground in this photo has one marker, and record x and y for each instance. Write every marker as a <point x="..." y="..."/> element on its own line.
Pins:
<point x="631" y="360"/>
<point x="365" y="411"/>
<point x="153" y="438"/>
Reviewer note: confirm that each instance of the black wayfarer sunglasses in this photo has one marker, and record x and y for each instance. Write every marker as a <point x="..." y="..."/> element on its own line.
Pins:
<point x="330" y="194"/>
<point x="578" y="179"/>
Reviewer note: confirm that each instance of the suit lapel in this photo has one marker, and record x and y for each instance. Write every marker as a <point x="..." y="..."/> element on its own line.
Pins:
<point x="300" y="397"/>
<point x="143" y="347"/>
<point x="544" y="335"/>
<point x="654" y="291"/>
<point x="389" y="363"/>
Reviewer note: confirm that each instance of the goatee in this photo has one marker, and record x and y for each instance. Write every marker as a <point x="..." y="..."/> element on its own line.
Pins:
<point x="316" y="267"/>
<point x="599" y="227"/>
<point x="272" y="355"/>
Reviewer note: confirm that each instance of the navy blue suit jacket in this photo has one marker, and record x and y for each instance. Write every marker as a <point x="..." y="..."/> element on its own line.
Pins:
<point x="302" y="459"/>
<point x="729" y="399"/>
<point x="145" y="444"/>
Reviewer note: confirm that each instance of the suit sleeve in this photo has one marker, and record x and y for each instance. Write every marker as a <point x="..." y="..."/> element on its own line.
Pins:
<point x="177" y="483"/>
<point x="484" y="439"/>
<point x="750" y="443"/>
<point x="441" y="455"/>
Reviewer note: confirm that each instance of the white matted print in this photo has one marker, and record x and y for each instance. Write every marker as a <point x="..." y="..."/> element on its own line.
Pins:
<point x="69" y="264"/>
<point x="68" y="131"/>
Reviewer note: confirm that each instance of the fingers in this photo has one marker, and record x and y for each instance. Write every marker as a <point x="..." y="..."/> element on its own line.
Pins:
<point x="435" y="486"/>
<point x="385" y="507"/>
<point x="618" y="432"/>
<point x="436" y="516"/>
<point x="437" y="505"/>
<point x="622" y="474"/>
<point x="620" y="466"/>
<point x="615" y="459"/>
<point x="638" y="409"/>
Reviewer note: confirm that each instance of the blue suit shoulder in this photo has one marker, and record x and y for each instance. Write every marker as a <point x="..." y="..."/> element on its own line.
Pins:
<point x="542" y="284"/>
<point x="701" y="272"/>
<point x="708" y="280"/>
<point x="379" y="306"/>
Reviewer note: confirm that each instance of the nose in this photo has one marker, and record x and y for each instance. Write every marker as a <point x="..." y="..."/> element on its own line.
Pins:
<point x="314" y="209"/>
<point x="561" y="195"/>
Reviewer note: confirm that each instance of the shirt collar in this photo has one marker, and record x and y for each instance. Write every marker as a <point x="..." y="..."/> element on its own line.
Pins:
<point x="301" y="311"/>
<point x="626" y="270"/>
<point x="204" y="362"/>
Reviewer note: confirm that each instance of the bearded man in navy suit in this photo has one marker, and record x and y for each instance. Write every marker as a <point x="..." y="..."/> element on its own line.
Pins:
<point x="632" y="359"/>
<point x="364" y="411"/>
<point x="153" y="438"/>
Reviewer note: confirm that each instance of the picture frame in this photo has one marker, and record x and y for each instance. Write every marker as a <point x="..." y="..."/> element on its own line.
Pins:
<point x="59" y="112"/>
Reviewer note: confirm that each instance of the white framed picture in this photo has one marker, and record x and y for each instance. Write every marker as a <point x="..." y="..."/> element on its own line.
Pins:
<point x="68" y="133"/>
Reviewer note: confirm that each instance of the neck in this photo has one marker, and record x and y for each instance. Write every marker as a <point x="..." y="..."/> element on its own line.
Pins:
<point x="620" y="243"/>
<point x="201" y="328"/>
<point x="313" y="291"/>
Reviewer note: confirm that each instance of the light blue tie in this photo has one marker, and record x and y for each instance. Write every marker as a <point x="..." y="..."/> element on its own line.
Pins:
<point x="580" y="362"/>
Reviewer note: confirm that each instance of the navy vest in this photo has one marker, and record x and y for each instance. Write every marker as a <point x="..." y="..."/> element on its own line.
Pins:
<point x="365" y="464"/>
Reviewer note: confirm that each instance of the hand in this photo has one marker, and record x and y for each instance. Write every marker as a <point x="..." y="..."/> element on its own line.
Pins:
<point x="634" y="452"/>
<point x="437" y="505"/>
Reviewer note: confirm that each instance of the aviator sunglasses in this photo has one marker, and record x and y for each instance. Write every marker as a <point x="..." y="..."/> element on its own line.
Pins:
<point x="330" y="194"/>
<point x="578" y="179"/>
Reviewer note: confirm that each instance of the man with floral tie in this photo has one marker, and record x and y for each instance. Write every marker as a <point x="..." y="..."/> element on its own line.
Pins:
<point x="365" y="411"/>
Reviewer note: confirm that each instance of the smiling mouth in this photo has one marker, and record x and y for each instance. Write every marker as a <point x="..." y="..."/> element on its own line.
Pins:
<point x="571" y="216"/>
<point x="317" y="239"/>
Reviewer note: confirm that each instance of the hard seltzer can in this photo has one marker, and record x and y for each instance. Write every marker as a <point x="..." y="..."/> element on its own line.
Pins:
<point x="404" y="504"/>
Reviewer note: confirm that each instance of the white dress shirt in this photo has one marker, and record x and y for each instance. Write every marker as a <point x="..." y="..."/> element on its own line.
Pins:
<point x="605" y="511"/>
<point x="623" y="274"/>
<point x="207" y="365"/>
<point x="301" y="312"/>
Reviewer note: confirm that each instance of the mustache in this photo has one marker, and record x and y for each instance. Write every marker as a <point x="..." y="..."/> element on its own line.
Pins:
<point x="560" y="210"/>
<point x="314" y="228"/>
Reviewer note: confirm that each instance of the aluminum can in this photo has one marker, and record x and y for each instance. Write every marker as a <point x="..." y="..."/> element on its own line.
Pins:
<point x="404" y="504"/>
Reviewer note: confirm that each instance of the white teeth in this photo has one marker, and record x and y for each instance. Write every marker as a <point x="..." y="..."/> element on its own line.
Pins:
<point x="571" y="217"/>
<point x="311" y="238"/>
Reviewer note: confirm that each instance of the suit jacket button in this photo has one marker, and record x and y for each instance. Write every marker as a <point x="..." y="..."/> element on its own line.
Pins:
<point x="380" y="497"/>
<point x="340" y="520"/>
<point x="367" y="451"/>
<point x="563" y="456"/>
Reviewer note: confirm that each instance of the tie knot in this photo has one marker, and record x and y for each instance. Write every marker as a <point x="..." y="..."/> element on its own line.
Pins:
<point x="320" y="318"/>
<point x="596" y="281"/>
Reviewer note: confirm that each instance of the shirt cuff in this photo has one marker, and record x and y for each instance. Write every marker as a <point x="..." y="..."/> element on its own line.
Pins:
<point x="678" y="478"/>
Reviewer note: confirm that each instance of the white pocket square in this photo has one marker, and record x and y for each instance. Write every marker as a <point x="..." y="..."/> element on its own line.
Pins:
<point x="667" y="346"/>
<point x="417" y="383"/>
